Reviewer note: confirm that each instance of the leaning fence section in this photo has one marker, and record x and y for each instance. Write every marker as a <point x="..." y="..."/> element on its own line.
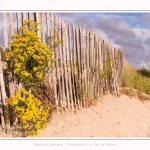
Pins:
<point x="86" y="66"/>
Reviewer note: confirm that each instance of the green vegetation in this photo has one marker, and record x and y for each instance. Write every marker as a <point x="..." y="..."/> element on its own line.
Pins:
<point x="144" y="72"/>
<point x="136" y="79"/>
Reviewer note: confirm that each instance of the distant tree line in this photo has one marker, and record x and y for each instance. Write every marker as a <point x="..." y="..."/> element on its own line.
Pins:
<point x="144" y="72"/>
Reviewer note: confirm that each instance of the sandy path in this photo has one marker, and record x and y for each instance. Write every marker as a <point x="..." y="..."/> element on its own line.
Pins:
<point x="112" y="117"/>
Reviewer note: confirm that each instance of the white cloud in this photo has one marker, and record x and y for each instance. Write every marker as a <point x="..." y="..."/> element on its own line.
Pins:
<point x="142" y="33"/>
<point x="144" y="64"/>
<point x="121" y="17"/>
<point x="105" y="37"/>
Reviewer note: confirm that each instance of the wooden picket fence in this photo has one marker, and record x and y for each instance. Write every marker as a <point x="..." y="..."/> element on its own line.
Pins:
<point x="81" y="59"/>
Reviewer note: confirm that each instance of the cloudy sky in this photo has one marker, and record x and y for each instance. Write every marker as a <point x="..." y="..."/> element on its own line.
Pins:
<point x="129" y="31"/>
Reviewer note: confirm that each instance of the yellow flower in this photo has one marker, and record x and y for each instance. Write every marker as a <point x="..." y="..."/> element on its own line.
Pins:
<point x="35" y="68"/>
<point x="39" y="75"/>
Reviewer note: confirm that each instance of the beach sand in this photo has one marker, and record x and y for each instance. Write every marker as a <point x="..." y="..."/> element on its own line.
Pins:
<point x="112" y="117"/>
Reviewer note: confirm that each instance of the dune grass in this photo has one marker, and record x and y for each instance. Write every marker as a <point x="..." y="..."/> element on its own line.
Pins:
<point x="136" y="79"/>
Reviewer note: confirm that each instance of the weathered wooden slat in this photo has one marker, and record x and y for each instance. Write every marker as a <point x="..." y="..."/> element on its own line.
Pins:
<point x="4" y="97"/>
<point x="81" y="75"/>
<point x="53" y="75"/>
<point x="111" y="75"/>
<point x="74" y="67"/>
<point x="106" y="87"/>
<point x="91" y="65"/>
<point x="18" y="22"/>
<point x="96" y="67"/>
<point x="34" y="16"/>
<point x="2" y="94"/>
<point x="47" y="27"/>
<point x="117" y="62"/>
<point x="107" y="45"/>
<point x="3" y="91"/>
<point x="94" y="49"/>
<point x="78" y="54"/>
<point x="117" y="76"/>
<point x="83" y="65"/>
<point x="87" y="66"/>
<point x="77" y="75"/>
<point x="90" y="50"/>
<point x="65" y="62"/>
<point x="39" y="25"/>
<point x="122" y="64"/>
<point x="5" y="31"/>
<point x="71" y="52"/>
<point x="101" y="65"/>
<point x="11" y="24"/>
<point x="10" y="78"/>
<point x="51" y="24"/>
<point x="62" y="92"/>
<point x="30" y="15"/>
<point x="87" y="48"/>
<point x="108" y="80"/>
<point x="115" y="70"/>
<point x="51" y="31"/>
<point x="42" y="27"/>
<point x="1" y="110"/>
<point x="104" y="64"/>
<point x="119" y="67"/>
<point x="111" y="54"/>
<point x="56" y="62"/>
<point x="69" y="60"/>
<point x="23" y="18"/>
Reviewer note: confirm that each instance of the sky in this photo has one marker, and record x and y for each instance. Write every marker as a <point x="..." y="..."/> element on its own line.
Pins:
<point x="128" y="31"/>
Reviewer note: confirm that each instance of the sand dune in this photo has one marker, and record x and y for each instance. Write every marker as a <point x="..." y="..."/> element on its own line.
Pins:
<point x="111" y="117"/>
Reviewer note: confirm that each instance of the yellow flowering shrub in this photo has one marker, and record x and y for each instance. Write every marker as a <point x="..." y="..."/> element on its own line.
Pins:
<point x="28" y="56"/>
<point x="30" y="111"/>
<point x="30" y="60"/>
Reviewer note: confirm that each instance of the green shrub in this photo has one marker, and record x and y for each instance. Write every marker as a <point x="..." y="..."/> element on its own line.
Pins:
<point x="135" y="80"/>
